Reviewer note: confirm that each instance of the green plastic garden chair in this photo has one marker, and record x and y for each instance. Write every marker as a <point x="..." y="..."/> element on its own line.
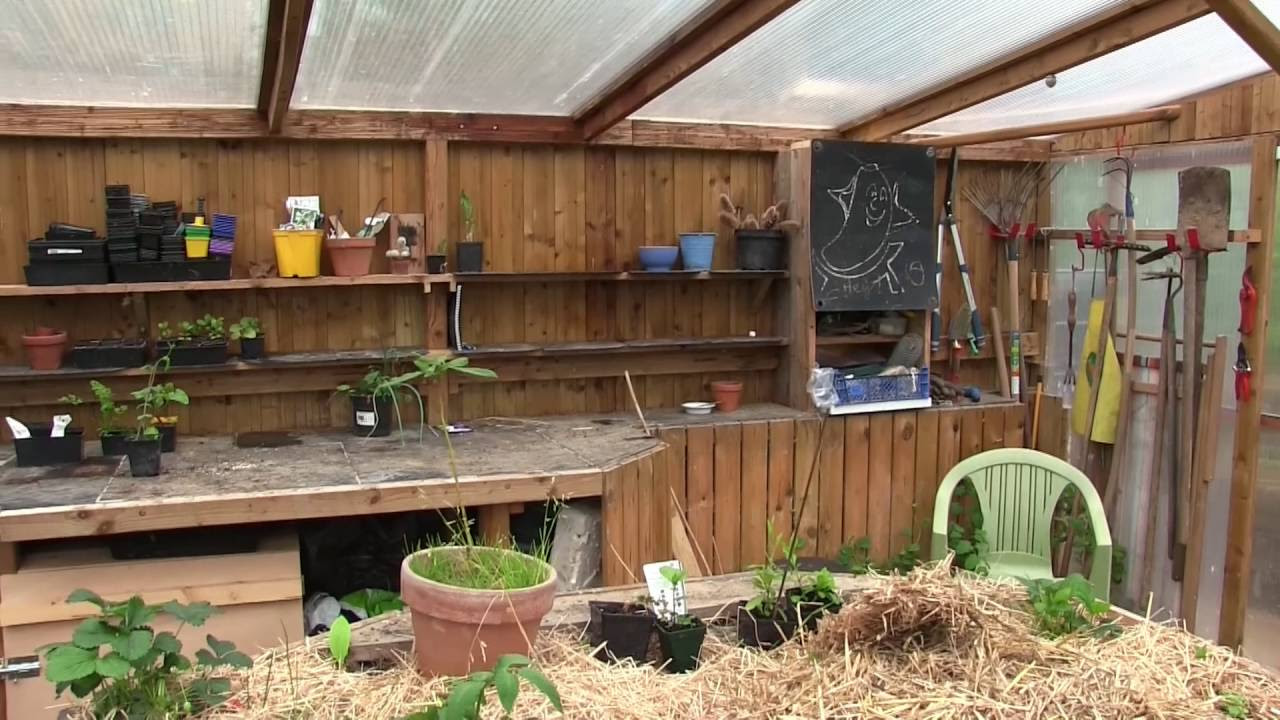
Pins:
<point x="1016" y="491"/>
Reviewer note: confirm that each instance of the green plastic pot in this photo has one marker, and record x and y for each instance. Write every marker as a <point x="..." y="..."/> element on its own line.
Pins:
<point x="681" y="646"/>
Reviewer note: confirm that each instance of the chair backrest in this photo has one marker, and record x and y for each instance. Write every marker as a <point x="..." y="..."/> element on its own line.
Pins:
<point x="1016" y="491"/>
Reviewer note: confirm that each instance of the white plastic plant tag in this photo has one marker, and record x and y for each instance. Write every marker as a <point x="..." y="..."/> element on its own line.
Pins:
<point x="364" y="418"/>
<point x="60" y="423"/>
<point x="20" y="431"/>
<point x="667" y="601"/>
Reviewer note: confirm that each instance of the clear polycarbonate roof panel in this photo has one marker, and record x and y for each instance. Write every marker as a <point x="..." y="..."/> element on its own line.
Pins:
<point x="1185" y="60"/>
<point x="824" y="63"/>
<point x="154" y="53"/>
<point x="537" y="57"/>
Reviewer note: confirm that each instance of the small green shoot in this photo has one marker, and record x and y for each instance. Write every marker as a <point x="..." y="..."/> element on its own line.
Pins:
<point x="374" y="601"/>
<point x="1065" y="606"/>
<point x="247" y="328"/>
<point x="109" y="411"/>
<point x="340" y="641"/>
<point x="468" y="695"/>
<point x="468" y="216"/>
<point x="152" y="399"/>
<point x="1233" y="705"/>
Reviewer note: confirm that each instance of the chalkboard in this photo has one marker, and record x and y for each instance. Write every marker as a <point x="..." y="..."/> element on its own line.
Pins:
<point x="873" y="240"/>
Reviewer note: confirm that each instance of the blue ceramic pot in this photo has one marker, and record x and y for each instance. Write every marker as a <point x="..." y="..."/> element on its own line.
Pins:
<point x="658" y="258"/>
<point x="697" y="250"/>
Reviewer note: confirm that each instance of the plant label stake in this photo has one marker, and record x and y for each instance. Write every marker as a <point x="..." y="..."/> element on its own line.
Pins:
<point x="670" y="600"/>
<point x="19" y="431"/>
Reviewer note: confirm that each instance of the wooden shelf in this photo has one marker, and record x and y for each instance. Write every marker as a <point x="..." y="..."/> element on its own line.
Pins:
<point x="234" y="284"/>
<point x="677" y="275"/>
<point x="859" y="339"/>
<point x="609" y="347"/>
<point x="21" y="373"/>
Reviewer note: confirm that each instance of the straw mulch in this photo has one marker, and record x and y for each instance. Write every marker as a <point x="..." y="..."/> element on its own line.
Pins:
<point x="922" y="646"/>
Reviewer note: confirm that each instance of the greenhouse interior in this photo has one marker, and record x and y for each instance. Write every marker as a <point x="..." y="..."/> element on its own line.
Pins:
<point x="723" y="359"/>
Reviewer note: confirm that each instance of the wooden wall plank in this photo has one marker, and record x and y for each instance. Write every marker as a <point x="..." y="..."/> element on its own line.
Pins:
<point x="926" y="477"/>
<point x="727" y="553"/>
<point x="646" y="515"/>
<point x="805" y="475"/>
<point x="857" y="458"/>
<point x="902" y="505"/>
<point x="755" y="493"/>
<point x="782" y="440"/>
<point x="830" y="497"/>
<point x="613" y="523"/>
<point x="700" y="489"/>
<point x="880" y="486"/>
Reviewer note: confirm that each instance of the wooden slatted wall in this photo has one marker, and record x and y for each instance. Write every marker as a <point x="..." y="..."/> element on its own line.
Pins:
<point x="876" y="477"/>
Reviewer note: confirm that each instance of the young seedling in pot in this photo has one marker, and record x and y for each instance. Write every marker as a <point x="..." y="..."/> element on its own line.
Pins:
<point x="110" y="416"/>
<point x="680" y="634"/>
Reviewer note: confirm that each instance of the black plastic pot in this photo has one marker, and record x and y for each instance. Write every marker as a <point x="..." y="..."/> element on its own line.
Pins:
<point x="111" y="353"/>
<point x="113" y="445"/>
<point x="184" y="353"/>
<point x="764" y="633"/>
<point x="144" y="457"/>
<point x="623" y="628"/>
<point x="810" y="613"/>
<point x="681" y="645"/>
<point x="435" y="264"/>
<point x="40" y="449"/>
<point x="761" y="249"/>
<point x="77" y="273"/>
<point x="471" y="257"/>
<point x="253" y="348"/>
<point x="370" y="417"/>
<point x="168" y="438"/>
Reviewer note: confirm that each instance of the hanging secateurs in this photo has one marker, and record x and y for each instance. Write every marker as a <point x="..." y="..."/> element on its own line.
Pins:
<point x="977" y="338"/>
<point x="1248" y="313"/>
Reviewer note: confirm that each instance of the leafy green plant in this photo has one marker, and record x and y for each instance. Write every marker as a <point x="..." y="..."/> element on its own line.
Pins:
<point x="1233" y="705"/>
<point x="468" y="216"/>
<point x="165" y="332"/>
<point x="118" y="661"/>
<point x="965" y="534"/>
<point x="468" y="696"/>
<point x="109" y="411"/>
<point x="819" y="587"/>
<point x="340" y="641"/>
<point x="668" y="616"/>
<point x="765" y="579"/>
<point x="385" y="383"/>
<point x="1068" y="605"/>
<point x="855" y="557"/>
<point x="903" y="561"/>
<point x="247" y="328"/>
<point x="374" y="601"/>
<point x="153" y="398"/>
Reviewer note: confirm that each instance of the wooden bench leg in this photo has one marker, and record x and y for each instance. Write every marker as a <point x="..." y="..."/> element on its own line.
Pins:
<point x="8" y="565"/>
<point x="494" y="522"/>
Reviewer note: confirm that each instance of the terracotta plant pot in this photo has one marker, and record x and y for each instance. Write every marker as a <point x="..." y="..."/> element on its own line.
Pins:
<point x="459" y="630"/>
<point x="728" y="394"/>
<point x="350" y="256"/>
<point x="44" y="348"/>
<point x="401" y="266"/>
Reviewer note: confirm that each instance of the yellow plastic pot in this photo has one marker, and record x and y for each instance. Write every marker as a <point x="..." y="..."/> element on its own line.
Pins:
<point x="298" y="252"/>
<point x="197" y="248"/>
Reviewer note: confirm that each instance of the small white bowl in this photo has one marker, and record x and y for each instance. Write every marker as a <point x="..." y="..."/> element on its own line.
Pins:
<point x="698" y="408"/>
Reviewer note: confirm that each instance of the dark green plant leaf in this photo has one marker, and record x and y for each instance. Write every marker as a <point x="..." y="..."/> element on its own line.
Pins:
<point x="84" y="686"/>
<point x="219" y="647"/>
<point x="65" y="663"/>
<point x="82" y="595"/>
<point x="237" y="659"/>
<point x="133" y="645"/>
<point x="112" y="665"/>
<point x="167" y="642"/>
<point x="137" y="613"/>
<point x="464" y="700"/>
<point x="431" y="713"/>
<point x="177" y="663"/>
<point x="91" y="633"/>
<point x="193" y="614"/>
<point x="204" y="658"/>
<point x="540" y="681"/>
<point x="508" y="687"/>
<point x="208" y="692"/>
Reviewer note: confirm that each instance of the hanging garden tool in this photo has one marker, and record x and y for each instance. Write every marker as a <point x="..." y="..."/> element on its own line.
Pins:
<point x="1068" y="390"/>
<point x="1248" y="314"/>
<point x="948" y="222"/>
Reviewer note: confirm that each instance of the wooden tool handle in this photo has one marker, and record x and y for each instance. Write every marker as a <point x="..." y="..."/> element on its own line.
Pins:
<point x="999" y="351"/>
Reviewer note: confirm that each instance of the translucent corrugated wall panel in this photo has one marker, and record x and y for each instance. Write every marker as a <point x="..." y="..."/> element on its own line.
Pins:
<point x="1188" y="59"/>
<point x="175" y="53"/>
<point x="542" y="57"/>
<point x="824" y="63"/>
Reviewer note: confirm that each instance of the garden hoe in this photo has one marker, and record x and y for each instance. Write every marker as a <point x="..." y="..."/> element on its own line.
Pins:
<point x="948" y="222"/>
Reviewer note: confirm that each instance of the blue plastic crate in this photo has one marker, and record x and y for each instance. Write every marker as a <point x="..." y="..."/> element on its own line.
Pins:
<point x="882" y="388"/>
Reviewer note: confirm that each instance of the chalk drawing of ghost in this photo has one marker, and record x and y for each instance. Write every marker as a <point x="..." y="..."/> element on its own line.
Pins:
<point x="869" y="200"/>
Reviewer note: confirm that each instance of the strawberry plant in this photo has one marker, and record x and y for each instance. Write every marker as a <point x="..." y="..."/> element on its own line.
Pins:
<point x="125" y="668"/>
<point x="467" y="697"/>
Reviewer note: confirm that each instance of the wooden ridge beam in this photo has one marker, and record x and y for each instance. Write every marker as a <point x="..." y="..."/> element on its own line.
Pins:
<point x="1252" y="26"/>
<point x="1097" y="36"/>
<point x="294" y="17"/>
<point x="1164" y="113"/>
<point x="720" y="27"/>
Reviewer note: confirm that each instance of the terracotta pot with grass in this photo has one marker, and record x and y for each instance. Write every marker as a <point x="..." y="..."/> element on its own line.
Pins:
<point x="471" y="605"/>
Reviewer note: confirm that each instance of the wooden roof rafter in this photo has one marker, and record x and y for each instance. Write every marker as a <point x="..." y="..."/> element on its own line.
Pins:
<point x="1252" y="26"/>
<point x="1101" y="34"/>
<point x="721" y="26"/>
<point x="287" y="22"/>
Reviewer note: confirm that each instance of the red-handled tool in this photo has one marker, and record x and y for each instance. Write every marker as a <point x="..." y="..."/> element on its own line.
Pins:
<point x="1244" y="375"/>
<point x="1248" y="302"/>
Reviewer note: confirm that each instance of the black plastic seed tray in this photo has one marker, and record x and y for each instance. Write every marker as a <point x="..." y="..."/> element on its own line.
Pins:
<point x="110" y="353"/>
<point x="64" y="231"/>
<point x="72" y="273"/>
<point x="116" y="191"/>
<point x="41" y="251"/>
